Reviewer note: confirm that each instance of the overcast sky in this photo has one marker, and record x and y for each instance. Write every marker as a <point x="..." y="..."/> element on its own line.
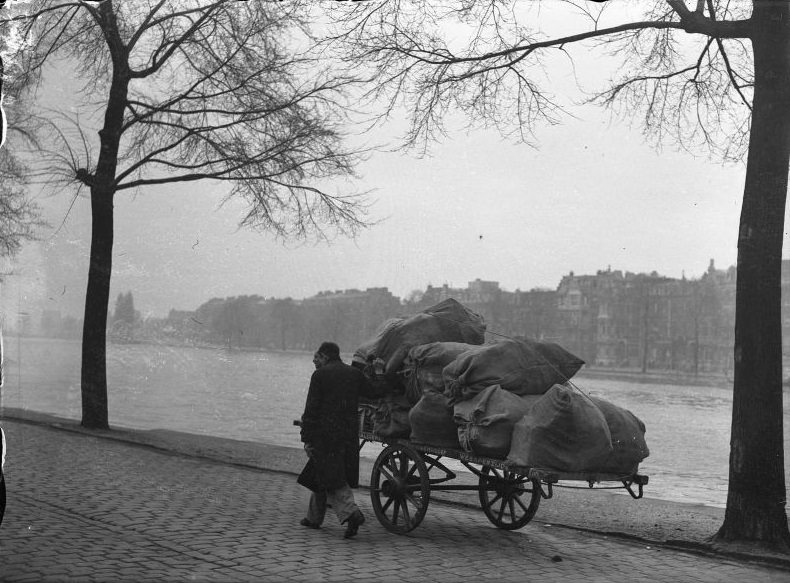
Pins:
<point x="593" y="196"/>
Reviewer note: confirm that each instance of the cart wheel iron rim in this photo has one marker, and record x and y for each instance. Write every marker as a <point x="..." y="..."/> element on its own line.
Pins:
<point x="503" y="495"/>
<point x="399" y="489"/>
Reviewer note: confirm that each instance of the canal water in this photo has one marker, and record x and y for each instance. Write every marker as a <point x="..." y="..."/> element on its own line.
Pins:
<point x="255" y="396"/>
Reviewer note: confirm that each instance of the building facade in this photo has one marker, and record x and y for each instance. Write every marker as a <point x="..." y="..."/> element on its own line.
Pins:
<point x="619" y="320"/>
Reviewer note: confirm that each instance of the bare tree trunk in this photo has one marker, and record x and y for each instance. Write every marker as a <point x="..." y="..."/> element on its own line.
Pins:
<point x="97" y="297"/>
<point x="95" y="413"/>
<point x="756" y="495"/>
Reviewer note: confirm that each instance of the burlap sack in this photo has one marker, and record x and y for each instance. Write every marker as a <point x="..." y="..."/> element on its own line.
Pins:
<point x="485" y="422"/>
<point x="629" y="447"/>
<point x="563" y="431"/>
<point x="431" y="421"/>
<point x="391" y="418"/>
<point x="523" y="367"/>
<point x="423" y="365"/>
<point x="447" y="321"/>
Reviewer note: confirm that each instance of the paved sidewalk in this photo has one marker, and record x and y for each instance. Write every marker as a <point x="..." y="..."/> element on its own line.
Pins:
<point x="88" y="508"/>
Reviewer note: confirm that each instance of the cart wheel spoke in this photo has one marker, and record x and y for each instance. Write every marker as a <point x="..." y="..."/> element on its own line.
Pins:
<point x="511" y="504"/>
<point x="404" y="464"/>
<point x="405" y="511"/>
<point x="517" y="499"/>
<point x="490" y="503"/>
<point x="416" y="503"/>
<point x="392" y="466"/>
<point x="387" y="474"/>
<point x="501" y="510"/>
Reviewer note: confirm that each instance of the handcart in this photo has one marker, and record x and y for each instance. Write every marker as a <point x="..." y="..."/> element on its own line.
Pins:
<point x="405" y="473"/>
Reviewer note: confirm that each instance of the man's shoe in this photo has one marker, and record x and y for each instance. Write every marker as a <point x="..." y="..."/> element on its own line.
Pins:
<point x="353" y="523"/>
<point x="308" y="524"/>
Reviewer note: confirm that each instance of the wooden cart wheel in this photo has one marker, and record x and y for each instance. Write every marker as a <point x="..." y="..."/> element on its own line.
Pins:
<point x="399" y="488"/>
<point x="509" y="500"/>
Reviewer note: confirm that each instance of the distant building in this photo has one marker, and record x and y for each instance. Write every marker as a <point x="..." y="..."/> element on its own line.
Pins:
<point x="533" y="314"/>
<point x="648" y="321"/>
<point x="614" y="319"/>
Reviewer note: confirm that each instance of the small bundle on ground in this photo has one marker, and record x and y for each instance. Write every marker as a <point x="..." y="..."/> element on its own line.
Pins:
<point x="563" y="431"/>
<point x="523" y="367"/>
<point x="485" y="422"/>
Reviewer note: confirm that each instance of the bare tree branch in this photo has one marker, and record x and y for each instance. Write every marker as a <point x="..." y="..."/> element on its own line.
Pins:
<point x="491" y="66"/>
<point x="20" y="218"/>
<point x="725" y="58"/>
<point x="212" y="89"/>
<point x="166" y="50"/>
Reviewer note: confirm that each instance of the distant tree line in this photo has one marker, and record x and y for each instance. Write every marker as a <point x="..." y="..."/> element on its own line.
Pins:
<point x="610" y="319"/>
<point x="252" y="322"/>
<point x="124" y="320"/>
<point x="125" y="323"/>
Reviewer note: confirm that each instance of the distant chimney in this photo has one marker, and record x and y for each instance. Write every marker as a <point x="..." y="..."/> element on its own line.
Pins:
<point x="711" y="267"/>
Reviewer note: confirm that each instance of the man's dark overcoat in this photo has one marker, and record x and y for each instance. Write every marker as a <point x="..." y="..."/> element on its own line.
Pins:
<point x="330" y="426"/>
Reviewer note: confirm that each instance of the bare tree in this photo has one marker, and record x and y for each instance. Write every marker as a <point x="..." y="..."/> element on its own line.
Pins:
<point x="714" y="74"/>
<point x="180" y="91"/>
<point x="19" y="216"/>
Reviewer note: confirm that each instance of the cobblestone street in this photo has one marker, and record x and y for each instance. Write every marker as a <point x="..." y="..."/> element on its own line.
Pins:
<point x="87" y="508"/>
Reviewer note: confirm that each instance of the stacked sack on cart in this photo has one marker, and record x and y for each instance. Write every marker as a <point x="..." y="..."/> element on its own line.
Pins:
<point x="443" y="385"/>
